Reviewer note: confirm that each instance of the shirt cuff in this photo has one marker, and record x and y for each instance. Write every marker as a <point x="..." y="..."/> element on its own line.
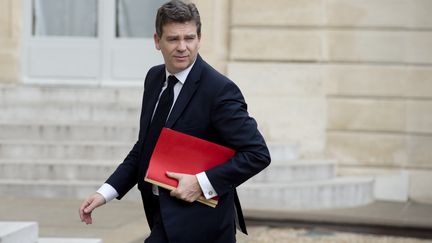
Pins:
<point x="108" y="192"/>
<point x="206" y="187"/>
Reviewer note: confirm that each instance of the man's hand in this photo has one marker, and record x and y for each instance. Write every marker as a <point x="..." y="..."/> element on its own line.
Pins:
<point x="188" y="188"/>
<point x="89" y="205"/>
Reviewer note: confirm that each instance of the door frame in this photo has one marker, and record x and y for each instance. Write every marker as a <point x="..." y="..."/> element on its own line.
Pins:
<point x="104" y="60"/>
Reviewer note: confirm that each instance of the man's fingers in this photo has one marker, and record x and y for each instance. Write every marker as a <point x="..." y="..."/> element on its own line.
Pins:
<point x="87" y="219"/>
<point x="188" y="188"/>
<point x="183" y="196"/>
<point x="174" y="175"/>
<point x="93" y="202"/>
<point x="89" y="205"/>
<point x="173" y="193"/>
<point x="83" y="206"/>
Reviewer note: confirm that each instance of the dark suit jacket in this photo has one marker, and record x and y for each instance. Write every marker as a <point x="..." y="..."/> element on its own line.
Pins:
<point x="211" y="107"/>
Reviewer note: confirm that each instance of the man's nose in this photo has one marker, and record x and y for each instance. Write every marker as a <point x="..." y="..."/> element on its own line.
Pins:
<point x="181" y="46"/>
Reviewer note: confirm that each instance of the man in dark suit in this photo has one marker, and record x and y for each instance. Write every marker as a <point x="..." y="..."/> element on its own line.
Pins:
<point x="188" y="95"/>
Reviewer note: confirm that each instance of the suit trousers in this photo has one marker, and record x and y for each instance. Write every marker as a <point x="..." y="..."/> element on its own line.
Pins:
<point x="157" y="234"/>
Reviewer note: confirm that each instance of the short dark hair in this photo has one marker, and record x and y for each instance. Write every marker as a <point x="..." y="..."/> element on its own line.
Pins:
<point x="179" y="12"/>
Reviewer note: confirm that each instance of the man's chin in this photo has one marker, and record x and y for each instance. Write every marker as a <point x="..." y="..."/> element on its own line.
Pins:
<point x="181" y="66"/>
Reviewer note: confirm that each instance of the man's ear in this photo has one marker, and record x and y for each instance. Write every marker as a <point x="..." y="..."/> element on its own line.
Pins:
<point x="156" y="41"/>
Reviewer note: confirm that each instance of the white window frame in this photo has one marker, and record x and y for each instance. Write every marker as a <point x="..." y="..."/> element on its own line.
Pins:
<point x="102" y="60"/>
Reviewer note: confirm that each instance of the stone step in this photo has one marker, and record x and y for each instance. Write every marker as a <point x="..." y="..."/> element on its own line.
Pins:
<point x="95" y="131"/>
<point x="337" y="192"/>
<point x="100" y="150"/>
<point x="18" y="149"/>
<point x="55" y="189"/>
<point x="68" y="170"/>
<point x="69" y="131"/>
<point x="297" y="170"/>
<point x="34" y="94"/>
<point x="284" y="151"/>
<point x="75" y="112"/>
<point x="69" y="240"/>
<point x="18" y="232"/>
<point x="27" y="232"/>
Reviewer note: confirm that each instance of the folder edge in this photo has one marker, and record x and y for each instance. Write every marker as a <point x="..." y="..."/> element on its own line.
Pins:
<point x="209" y="202"/>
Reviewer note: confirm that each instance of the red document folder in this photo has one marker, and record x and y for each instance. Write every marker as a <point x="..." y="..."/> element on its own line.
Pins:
<point x="182" y="153"/>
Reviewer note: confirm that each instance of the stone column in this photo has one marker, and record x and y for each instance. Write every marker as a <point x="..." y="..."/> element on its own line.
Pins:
<point x="10" y="37"/>
<point x="215" y="22"/>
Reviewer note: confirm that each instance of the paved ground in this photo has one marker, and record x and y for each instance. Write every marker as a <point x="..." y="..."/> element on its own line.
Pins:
<point x="124" y="222"/>
<point x="287" y="235"/>
<point x="116" y="222"/>
<point x="381" y="213"/>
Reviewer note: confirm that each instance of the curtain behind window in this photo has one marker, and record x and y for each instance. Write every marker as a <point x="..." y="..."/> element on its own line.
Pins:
<point x="65" y="18"/>
<point x="136" y="18"/>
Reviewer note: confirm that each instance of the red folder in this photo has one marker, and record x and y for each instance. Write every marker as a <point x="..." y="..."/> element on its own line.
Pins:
<point x="182" y="153"/>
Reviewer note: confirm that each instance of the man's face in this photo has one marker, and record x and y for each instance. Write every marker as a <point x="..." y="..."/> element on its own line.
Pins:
<point x="179" y="45"/>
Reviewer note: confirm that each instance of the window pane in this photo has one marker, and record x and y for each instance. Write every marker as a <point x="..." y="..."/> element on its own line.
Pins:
<point x="136" y="18"/>
<point x="65" y="17"/>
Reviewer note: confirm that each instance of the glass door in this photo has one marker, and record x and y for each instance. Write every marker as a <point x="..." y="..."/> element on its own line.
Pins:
<point x="89" y="41"/>
<point x="132" y="49"/>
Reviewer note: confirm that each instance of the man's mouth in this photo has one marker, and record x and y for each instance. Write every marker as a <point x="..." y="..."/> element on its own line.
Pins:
<point x="181" y="57"/>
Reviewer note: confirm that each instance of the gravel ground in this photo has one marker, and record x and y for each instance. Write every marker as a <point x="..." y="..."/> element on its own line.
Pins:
<point x="287" y="235"/>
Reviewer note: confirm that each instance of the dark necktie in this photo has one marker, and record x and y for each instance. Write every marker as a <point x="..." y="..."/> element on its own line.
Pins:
<point x="159" y="117"/>
<point x="164" y="106"/>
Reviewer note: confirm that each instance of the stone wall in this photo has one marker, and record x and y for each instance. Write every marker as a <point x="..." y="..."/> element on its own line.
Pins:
<point x="215" y="18"/>
<point x="275" y="62"/>
<point x="10" y="34"/>
<point x="380" y="91"/>
<point x="349" y="78"/>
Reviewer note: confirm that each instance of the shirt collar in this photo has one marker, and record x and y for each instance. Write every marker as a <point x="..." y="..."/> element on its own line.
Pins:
<point x="182" y="75"/>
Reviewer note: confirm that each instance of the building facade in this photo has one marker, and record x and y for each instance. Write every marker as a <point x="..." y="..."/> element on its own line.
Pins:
<point x="344" y="79"/>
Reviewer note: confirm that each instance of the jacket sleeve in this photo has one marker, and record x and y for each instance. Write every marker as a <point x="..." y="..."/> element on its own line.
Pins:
<point x="239" y="131"/>
<point x="125" y="177"/>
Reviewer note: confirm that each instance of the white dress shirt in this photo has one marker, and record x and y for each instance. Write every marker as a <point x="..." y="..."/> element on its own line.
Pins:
<point x="109" y="193"/>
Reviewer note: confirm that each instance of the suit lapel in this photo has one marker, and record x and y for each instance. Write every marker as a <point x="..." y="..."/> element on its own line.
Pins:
<point x="150" y="99"/>
<point x="186" y="93"/>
